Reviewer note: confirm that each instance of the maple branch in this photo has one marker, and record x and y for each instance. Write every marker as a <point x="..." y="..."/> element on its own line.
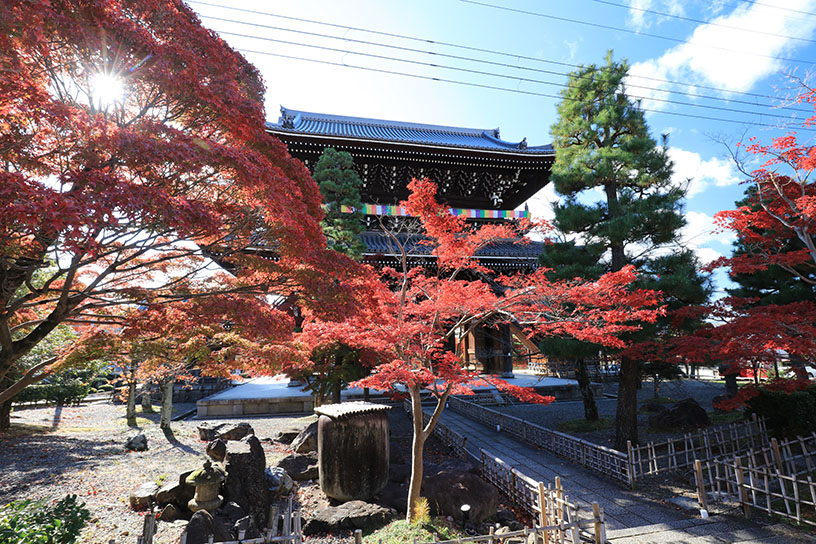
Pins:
<point x="440" y="405"/>
<point x="28" y="378"/>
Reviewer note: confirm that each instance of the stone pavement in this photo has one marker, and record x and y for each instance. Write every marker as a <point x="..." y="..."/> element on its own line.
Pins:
<point x="631" y="518"/>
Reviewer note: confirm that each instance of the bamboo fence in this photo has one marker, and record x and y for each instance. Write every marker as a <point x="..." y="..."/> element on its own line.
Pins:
<point x="679" y="453"/>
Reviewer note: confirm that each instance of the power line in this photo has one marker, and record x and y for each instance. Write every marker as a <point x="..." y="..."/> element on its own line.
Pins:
<point x="485" y="73"/>
<point x="780" y="8"/>
<point x="700" y="21"/>
<point x="492" y="63"/>
<point x="516" y="56"/>
<point x="628" y="31"/>
<point x="498" y="88"/>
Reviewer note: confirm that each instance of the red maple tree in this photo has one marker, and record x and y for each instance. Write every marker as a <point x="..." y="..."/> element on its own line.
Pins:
<point x="410" y="316"/>
<point x="135" y="153"/>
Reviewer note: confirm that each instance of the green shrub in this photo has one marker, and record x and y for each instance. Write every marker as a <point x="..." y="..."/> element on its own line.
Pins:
<point x="27" y="522"/>
<point x="68" y="392"/>
<point x="105" y="387"/>
<point x="787" y="414"/>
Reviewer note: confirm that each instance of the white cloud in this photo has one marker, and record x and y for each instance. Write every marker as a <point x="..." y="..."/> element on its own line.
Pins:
<point x="702" y="173"/>
<point x="700" y="232"/>
<point x="699" y="60"/>
<point x="637" y="17"/>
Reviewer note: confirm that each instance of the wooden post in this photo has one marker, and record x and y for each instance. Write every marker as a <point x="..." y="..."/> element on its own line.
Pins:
<point x="542" y="516"/>
<point x="746" y="508"/>
<point x="701" y="494"/>
<point x="149" y="528"/>
<point x="358" y="536"/>
<point x="272" y="519"/>
<point x="777" y="454"/>
<point x="184" y="537"/>
<point x="631" y="463"/>
<point x="596" y="513"/>
<point x="490" y="534"/>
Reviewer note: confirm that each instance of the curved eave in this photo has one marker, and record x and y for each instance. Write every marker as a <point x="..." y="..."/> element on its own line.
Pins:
<point x="530" y="153"/>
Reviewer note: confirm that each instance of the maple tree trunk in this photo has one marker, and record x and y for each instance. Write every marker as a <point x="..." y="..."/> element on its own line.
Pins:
<point x="584" y="384"/>
<point x="167" y="403"/>
<point x="5" y="415"/>
<point x="415" y="485"/>
<point x="626" y="415"/>
<point x="147" y="403"/>
<point x="337" y="388"/>
<point x="130" y="411"/>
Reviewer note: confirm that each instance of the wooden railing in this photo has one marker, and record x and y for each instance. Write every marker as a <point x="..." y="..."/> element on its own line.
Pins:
<point x="603" y="460"/>
<point x="716" y="442"/>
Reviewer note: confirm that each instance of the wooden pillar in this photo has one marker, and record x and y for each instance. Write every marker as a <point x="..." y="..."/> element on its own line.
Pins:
<point x="506" y="350"/>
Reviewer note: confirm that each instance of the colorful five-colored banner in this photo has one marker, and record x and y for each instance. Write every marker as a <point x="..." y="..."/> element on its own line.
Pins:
<point x="395" y="211"/>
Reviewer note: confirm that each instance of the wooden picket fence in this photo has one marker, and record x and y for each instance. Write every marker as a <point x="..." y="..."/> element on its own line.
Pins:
<point x="776" y="479"/>
<point x="289" y="524"/>
<point x="558" y="519"/>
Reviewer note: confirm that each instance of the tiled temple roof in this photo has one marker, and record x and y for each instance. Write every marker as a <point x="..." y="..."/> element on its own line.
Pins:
<point x="319" y="124"/>
<point x="378" y="243"/>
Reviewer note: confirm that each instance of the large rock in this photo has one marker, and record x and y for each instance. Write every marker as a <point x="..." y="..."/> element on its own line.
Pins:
<point x="306" y="441"/>
<point x="143" y="496"/>
<point x="234" y="431"/>
<point x="683" y="415"/>
<point x="448" y="490"/>
<point x="349" y="515"/>
<point x="287" y="436"/>
<point x="136" y="443"/>
<point x="175" y="493"/>
<point x="399" y="473"/>
<point x="170" y="513"/>
<point x="202" y="525"/>
<point x="278" y="482"/>
<point x="394" y="496"/>
<point x="300" y="466"/>
<point x="217" y="450"/>
<point x="246" y="483"/>
<point x="208" y="431"/>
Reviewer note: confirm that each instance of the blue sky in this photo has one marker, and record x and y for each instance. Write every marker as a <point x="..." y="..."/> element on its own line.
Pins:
<point x="740" y="51"/>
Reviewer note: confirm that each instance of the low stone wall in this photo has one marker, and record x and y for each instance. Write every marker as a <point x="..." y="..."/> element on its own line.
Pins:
<point x="245" y="407"/>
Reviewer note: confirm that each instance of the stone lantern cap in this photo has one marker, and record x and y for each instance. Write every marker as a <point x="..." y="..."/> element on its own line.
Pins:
<point x="208" y="475"/>
<point x="349" y="409"/>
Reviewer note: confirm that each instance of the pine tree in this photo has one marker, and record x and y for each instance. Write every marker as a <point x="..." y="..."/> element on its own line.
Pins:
<point x="340" y="186"/>
<point x="602" y="141"/>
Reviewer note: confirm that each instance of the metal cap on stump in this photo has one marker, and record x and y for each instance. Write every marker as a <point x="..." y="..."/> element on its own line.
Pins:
<point x="353" y="449"/>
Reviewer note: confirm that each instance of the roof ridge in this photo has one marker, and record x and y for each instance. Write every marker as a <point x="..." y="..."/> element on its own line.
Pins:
<point x="349" y="119"/>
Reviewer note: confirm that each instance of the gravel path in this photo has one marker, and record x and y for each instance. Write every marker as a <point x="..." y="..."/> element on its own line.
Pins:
<point x="51" y="452"/>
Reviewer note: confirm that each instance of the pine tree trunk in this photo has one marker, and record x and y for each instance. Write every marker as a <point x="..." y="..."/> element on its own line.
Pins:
<point x="626" y="416"/>
<point x="5" y="415"/>
<point x="337" y="388"/>
<point x="584" y="384"/>
<point x="167" y="403"/>
<point x="613" y="209"/>
<point x="415" y="485"/>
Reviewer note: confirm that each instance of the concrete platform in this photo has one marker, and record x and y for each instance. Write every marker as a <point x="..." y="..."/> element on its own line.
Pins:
<point x="273" y="395"/>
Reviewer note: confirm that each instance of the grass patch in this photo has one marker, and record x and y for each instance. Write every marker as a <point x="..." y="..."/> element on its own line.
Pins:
<point x="584" y="426"/>
<point x="400" y="532"/>
<point x="725" y="418"/>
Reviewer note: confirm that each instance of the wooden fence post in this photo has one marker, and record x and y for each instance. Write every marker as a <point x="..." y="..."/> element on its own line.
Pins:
<point x="149" y="528"/>
<point x="542" y="516"/>
<point x="630" y="463"/>
<point x="701" y="494"/>
<point x="358" y="536"/>
<point x="777" y="454"/>
<point x="596" y="513"/>
<point x="746" y="508"/>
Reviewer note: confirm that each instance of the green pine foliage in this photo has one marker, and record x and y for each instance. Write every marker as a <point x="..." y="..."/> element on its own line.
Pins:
<point x="340" y="186"/>
<point x="602" y="141"/>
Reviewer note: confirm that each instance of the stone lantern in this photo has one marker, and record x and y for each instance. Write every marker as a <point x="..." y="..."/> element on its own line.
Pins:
<point x="352" y="449"/>
<point x="207" y="482"/>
